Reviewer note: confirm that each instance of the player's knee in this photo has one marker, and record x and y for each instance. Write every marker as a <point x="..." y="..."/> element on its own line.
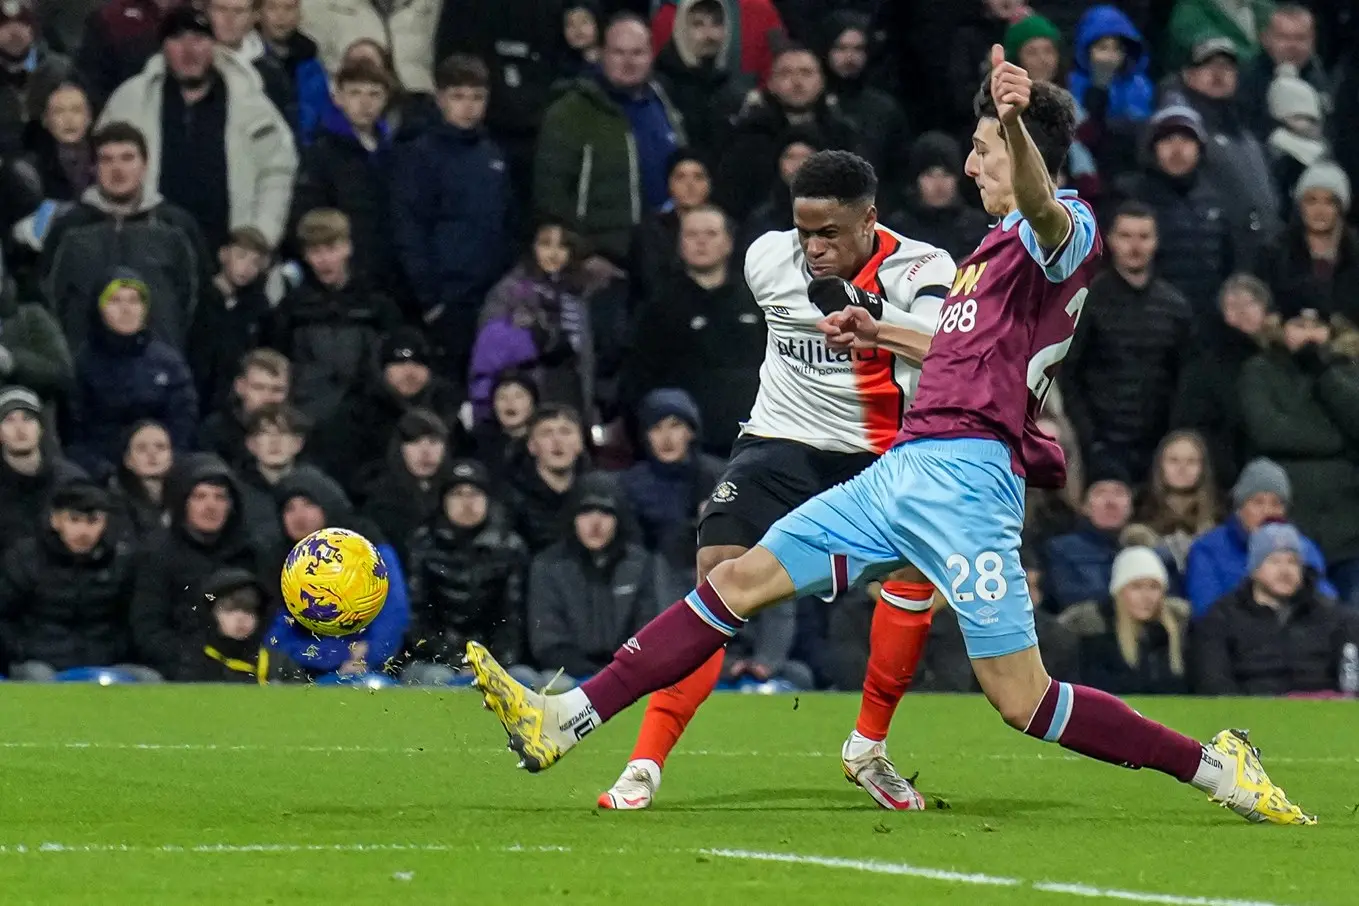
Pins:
<point x="1014" y="708"/>
<point x="709" y="557"/>
<point x="750" y="582"/>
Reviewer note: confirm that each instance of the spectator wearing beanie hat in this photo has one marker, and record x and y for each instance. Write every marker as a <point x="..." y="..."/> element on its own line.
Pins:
<point x="667" y="487"/>
<point x="1133" y="640"/>
<point x="29" y="466"/>
<point x="1315" y="261"/>
<point x="850" y="84"/>
<point x="402" y="491"/>
<point x="1079" y="563"/>
<point x="796" y="144"/>
<point x="1218" y="560"/>
<point x="1297" y="140"/>
<point x="1035" y="44"/>
<point x="1277" y="632"/>
<point x="930" y="208"/>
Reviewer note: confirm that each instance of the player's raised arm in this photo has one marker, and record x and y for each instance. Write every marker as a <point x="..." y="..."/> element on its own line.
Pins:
<point x="1035" y="192"/>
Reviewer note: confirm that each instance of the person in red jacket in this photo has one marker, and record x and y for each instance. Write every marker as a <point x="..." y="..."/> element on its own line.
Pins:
<point x="753" y="29"/>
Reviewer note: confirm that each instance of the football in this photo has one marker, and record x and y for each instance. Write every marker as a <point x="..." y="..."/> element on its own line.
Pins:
<point x="334" y="582"/>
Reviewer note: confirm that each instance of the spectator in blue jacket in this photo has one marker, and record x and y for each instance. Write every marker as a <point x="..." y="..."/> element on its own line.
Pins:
<point x="307" y="502"/>
<point x="1218" y="560"/>
<point x="667" y="486"/>
<point x="1080" y="562"/>
<point x="452" y="207"/>
<point x="298" y="55"/>
<point x="1109" y="78"/>
<point x="123" y="375"/>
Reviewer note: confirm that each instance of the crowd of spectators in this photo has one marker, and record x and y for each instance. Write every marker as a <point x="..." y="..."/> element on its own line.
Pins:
<point x="466" y="276"/>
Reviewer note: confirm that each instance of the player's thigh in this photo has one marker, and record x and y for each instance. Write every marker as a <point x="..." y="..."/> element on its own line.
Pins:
<point x="765" y="479"/>
<point x="1014" y="683"/>
<point x="956" y="515"/>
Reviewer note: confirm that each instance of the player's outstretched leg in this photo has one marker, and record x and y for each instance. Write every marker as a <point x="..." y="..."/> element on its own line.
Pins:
<point x="543" y="728"/>
<point x="668" y="713"/>
<point x="1098" y="725"/>
<point x="901" y="624"/>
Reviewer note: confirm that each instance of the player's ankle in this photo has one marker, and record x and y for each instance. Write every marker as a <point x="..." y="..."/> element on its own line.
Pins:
<point x="652" y="768"/>
<point x="569" y="717"/>
<point x="858" y="744"/>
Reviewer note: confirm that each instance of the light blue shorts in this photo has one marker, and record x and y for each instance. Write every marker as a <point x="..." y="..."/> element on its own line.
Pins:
<point x="953" y="508"/>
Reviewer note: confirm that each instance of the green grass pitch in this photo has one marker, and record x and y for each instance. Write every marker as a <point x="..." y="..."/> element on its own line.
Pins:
<point x="184" y="795"/>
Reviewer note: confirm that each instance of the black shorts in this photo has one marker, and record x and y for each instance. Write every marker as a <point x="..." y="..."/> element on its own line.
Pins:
<point x="766" y="479"/>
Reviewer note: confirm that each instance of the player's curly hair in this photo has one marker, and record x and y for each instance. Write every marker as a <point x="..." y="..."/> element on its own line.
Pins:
<point x="1050" y="119"/>
<point x="841" y="175"/>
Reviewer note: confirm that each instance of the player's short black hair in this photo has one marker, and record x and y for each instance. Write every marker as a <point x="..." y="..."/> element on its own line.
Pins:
<point x="1050" y="119"/>
<point x="841" y="175"/>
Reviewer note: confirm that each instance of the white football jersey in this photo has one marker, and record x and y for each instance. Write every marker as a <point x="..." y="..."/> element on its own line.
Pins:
<point x="840" y="401"/>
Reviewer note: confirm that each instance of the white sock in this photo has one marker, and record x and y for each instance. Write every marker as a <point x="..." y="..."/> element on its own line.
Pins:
<point x="651" y="767"/>
<point x="858" y="744"/>
<point x="573" y="716"/>
<point x="1212" y="773"/>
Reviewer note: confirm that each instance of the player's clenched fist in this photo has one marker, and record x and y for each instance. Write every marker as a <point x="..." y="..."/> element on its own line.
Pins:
<point x="1011" y="87"/>
<point x="851" y="327"/>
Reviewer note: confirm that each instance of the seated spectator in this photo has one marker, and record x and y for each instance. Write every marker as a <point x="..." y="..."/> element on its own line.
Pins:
<point x="580" y="32"/>
<point x="308" y="502"/>
<point x="217" y="146"/>
<point x="1196" y="248"/>
<point x="1289" y="43"/>
<point x="1297" y="139"/>
<point x="794" y="96"/>
<point x="1277" y="632"/>
<point x="701" y="332"/>
<point x="404" y="382"/>
<point x="466" y="571"/>
<point x="756" y="22"/>
<point x="206" y="533"/>
<point x="64" y="593"/>
<point x="501" y="441"/>
<point x="29" y="468"/>
<point x="1109" y="69"/>
<point x="1300" y="407"/>
<point x="274" y="437"/>
<point x="1315" y="261"/>
<point x="874" y="114"/>
<point x="232" y="314"/>
<point x="931" y="209"/>
<point x="33" y="352"/>
<point x="1078" y="564"/>
<point x="694" y="68"/>
<point x="1120" y="376"/>
<point x="538" y="317"/>
<point x="264" y="379"/>
<point x="1217" y="560"/>
<point x="775" y="213"/>
<point x="123" y="221"/>
<point x="124" y="376"/>
<point x="1181" y="501"/>
<point x="655" y="244"/>
<point x="147" y="460"/>
<point x="1133" y="640"/>
<point x="330" y="326"/>
<point x="589" y="592"/>
<point x="1035" y="43"/>
<point x="405" y="494"/>
<point x="348" y="168"/>
<point x="233" y="27"/>
<point x="308" y="82"/>
<point x="1208" y="400"/>
<point x="665" y="489"/>
<point x="452" y="209"/>
<point x="540" y="487"/>
<point x="27" y="66"/>
<point x="232" y="648"/>
<point x="59" y="157"/>
<point x="1049" y="512"/>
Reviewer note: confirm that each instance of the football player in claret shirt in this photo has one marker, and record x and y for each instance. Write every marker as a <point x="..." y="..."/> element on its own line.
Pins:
<point x="948" y="499"/>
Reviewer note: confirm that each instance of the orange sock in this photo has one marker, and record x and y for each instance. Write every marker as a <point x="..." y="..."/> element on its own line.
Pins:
<point x="901" y="623"/>
<point x="669" y="711"/>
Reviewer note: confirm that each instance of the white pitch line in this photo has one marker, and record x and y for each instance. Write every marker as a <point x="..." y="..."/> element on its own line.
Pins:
<point x="494" y="750"/>
<point x="965" y="878"/>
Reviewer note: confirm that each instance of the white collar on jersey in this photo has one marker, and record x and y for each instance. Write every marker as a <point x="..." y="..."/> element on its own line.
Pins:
<point x="1014" y="216"/>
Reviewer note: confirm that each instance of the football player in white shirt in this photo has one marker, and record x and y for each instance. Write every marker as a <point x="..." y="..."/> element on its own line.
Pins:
<point x="821" y="417"/>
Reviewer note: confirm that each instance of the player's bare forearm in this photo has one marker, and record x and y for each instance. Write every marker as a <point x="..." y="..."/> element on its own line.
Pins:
<point x="911" y="345"/>
<point x="1035" y="194"/>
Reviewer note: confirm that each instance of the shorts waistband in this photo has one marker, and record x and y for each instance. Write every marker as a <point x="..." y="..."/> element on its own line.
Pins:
<point x="986" y="449"/>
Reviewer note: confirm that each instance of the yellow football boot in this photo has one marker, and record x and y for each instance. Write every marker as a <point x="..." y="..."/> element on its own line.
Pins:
<point x="1247" y="789"/>
<point x="523" y="713"/>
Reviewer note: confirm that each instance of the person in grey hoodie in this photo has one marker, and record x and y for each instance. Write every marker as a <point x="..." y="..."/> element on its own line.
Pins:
<point x="122" y="222"/>
<point x="591" y="591"/>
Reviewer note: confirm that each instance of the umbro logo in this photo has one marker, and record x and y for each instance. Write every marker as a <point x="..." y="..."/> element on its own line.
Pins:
<point x="633" y="645"/>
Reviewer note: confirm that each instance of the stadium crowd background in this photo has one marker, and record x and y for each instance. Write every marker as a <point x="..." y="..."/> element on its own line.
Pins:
<point x="466" y="277"/>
